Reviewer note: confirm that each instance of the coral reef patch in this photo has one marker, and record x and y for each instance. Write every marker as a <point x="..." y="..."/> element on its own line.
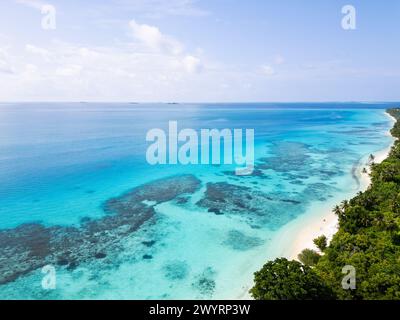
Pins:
<point x="255" y="207"/>
<point x="238" y="241"/>
<point x="32" y="246"/>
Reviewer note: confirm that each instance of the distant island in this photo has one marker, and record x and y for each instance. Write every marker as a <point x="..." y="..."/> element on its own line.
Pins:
<point x="368" y="242"/>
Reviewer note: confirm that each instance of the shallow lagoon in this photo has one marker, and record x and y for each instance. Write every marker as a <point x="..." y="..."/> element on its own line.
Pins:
<point x="62" y="164"/>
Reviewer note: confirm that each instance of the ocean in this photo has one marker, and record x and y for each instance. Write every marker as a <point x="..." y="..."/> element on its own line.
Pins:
<point x="77" y="193"/>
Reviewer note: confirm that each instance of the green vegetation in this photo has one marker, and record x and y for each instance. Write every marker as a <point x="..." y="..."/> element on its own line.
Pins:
<point x="321" y="243"/>
<point x="309" y="257"/>
<point x="368" y="239"/>
<point x="288" y="280"/>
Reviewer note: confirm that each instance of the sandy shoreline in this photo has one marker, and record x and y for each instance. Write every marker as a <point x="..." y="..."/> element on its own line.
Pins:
<point x="302" y="234"/>
<point x="328" y="224"/>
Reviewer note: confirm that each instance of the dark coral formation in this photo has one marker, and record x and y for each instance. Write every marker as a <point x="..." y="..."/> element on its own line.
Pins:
<point x="288" y="157"/>
<point x="293" y="162"/>
<point x="205" y="282"/>
<point x="240" y="242"/>
<point x="176" y="270"/>
<point x="31" y="246"/>
<point x="257" y="208"/>
<point x="318" y="191"/>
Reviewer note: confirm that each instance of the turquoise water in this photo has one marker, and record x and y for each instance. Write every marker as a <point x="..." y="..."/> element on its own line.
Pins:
<point x="60" y="164"/>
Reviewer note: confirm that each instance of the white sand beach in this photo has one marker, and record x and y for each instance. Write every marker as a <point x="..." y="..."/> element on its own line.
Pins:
<point x="300" y="233"/>
<point x="328" y="224"/>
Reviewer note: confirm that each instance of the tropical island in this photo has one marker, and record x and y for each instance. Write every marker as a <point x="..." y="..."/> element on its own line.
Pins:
<point x="367" y="242"/>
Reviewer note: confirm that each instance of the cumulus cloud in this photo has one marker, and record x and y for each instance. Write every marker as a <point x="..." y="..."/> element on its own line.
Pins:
<point x="119" y="72"/>
<point x="41" y="52"/>
<point x="149" y="66"/>
<point x="151" y="37"/>
<point x="192" y="64"/>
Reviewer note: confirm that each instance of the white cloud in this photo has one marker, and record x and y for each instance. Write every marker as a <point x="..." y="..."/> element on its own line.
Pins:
<point x="38" y="51"/>
<point x="268" y="70"/>
<point x="5" y="66"/>
<point x="151" y="37"/>
<point x="69" y="70"/>
<point x="116" y="72"/>
<point x="192" y="64"/>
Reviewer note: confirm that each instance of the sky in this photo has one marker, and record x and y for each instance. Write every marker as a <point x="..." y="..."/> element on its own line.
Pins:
<point x="199" y="51"/>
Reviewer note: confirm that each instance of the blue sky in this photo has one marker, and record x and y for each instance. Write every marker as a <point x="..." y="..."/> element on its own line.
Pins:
<point x="200" y="51"/>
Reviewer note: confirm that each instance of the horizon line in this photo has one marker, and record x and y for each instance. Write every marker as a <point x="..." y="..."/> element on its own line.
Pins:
<point x="205" y="102"/>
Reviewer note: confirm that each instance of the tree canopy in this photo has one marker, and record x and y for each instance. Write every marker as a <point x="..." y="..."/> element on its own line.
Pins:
<point x="321" y="242"/>
<point x="309" y="257"/>
<point x="288" y="280"/>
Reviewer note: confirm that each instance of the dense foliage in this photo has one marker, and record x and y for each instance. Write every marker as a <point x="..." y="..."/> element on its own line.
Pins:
<point x="288" y="280"/>
<point x="321" y="243"/>
<point x="368" y="239"/>
<point x="309" y="257"/>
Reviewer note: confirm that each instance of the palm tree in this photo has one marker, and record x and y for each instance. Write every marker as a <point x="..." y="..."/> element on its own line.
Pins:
<point x="371" y="158"/>
<point x="344" y="204"/>
<point x="337" y="210"/>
